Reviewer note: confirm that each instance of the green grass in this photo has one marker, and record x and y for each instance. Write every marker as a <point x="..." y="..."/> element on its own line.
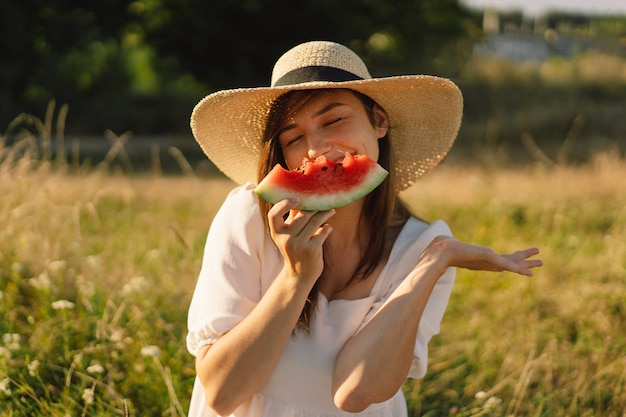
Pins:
<point x="124" y="252"/>
<point x="551" y="345"/>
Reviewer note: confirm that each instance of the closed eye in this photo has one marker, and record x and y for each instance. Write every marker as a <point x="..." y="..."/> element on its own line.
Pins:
<point x="333" y="121"/>
<point x="284" y="134"/>
<point x="293" y="140"/>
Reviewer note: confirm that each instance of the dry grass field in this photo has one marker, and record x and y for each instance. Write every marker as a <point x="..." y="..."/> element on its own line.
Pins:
<point x="97" y="269"/>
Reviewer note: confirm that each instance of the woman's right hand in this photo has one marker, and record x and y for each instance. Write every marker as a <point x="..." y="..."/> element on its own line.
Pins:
<point x="255" y="345"/>
<point x="299" y="236"/>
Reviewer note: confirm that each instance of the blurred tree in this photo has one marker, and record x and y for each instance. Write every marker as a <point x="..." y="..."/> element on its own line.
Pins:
<point x="235" y="43"/>
<point x="59" y="49"/>
<point x="140" y="64"/>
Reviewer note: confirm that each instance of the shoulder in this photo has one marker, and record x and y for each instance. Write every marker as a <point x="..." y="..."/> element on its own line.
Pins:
<point x="418" y="230"/>
<point x="239" y="218"/>
<point x="413" y="239"/>
<point x="243" y="196"/>
<point x="241" y="203"/>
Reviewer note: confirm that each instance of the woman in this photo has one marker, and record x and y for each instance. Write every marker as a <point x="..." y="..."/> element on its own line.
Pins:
<point x="324" y="313"/>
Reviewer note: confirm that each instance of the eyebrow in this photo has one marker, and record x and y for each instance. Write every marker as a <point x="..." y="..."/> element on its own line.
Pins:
<point x="327" y="108"/>
<point x="318" y="113"/>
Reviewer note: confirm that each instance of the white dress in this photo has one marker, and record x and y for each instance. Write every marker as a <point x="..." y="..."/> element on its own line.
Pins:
<point x="239" y="264"/>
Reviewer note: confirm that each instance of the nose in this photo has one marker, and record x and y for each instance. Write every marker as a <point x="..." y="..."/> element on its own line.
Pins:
<point x="318" y="145"/>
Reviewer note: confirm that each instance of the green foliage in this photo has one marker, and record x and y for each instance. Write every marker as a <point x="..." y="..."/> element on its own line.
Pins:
<point x="59" y="48"/>
<point x="564" y="110"/>
<point x="122" y="64"/>
<point x="140" y="66"/>
<point x="236" y="43"/>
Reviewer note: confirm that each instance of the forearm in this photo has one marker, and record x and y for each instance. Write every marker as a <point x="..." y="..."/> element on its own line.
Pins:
<point x="252" y="348"/>
<point x="374" y="363"/>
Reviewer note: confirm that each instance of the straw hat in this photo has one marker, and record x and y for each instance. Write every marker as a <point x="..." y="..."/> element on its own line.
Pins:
<point x="424" y="111"/>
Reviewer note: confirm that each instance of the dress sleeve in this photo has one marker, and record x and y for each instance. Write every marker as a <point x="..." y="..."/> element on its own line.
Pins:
<point x="435" y="308"/>
<point x="410" y="245"/>
<point x="229" y="283"/>
<point x="430" y="322"/>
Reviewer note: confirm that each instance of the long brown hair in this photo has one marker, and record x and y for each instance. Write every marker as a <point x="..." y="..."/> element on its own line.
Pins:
<point x="379" y="207"/>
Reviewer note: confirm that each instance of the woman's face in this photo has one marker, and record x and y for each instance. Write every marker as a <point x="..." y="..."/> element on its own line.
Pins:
<point x="331" y="124"/>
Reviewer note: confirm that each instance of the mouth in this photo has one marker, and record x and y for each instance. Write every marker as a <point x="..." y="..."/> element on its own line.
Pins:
<point x="338" y="155"/>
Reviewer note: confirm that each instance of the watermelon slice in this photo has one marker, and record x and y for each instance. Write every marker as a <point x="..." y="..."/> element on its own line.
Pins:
<point x="321" y="184"/>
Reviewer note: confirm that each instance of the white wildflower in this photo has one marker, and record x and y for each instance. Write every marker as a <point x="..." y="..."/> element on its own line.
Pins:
<point x="480" y="395"/>
<point x="573" y="240"/>
<point x="5" y="353"/>
<point x="154" y="254"/>
<point x="88" y="396"/>
<point x="11" y="340"/>
<point x="62" y="305"/>
<point x="41" y="282"/>
<point x="94" y="261"/>
<point x="116" y="335"/>
<point x="19" y="268"/>
<point x="86" y="288"/>
<point x="135" y="285"/>
<point x="4" y="386"/>
<point x="33" y="367"/>
<point x="492" y="403"/>
<point x="57" y="266"/>
<point x="151" y="351"/>
<point x="96" y="368"/>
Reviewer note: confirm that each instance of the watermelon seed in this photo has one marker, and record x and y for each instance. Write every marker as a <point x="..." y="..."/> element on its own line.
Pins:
<point x="324" y="168"/>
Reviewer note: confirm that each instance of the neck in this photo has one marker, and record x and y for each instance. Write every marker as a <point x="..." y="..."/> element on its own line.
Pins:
<point x="346" y="226"/>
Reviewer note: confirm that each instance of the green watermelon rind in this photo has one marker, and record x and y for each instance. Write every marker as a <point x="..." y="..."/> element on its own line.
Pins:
<point x="273" y="193"/>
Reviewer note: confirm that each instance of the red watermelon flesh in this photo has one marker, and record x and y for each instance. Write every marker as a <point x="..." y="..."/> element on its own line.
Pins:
<point x="321" y="184"/>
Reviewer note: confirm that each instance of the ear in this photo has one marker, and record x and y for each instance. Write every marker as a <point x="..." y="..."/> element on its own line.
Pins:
<point x="382" y="121"/>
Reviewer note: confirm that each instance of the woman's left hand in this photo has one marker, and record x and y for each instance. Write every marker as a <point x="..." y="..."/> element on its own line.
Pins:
<point x="480" y="258"/>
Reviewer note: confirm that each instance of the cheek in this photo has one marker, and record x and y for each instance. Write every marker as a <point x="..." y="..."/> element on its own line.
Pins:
<point x="371" y="145"/>
<point x="293" y="158"/>
<point x="374" y="154"/>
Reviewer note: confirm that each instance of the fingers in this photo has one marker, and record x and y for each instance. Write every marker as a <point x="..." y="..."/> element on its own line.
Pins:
<point x="285" y="219"/>
<point x="527" y="253"/>
<point x="300" y="235"/>
<point x="310" y="224"/>
<point x="486" y="259"/>
<point x="280" y="210"/>
<point x="520" y="263"/>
